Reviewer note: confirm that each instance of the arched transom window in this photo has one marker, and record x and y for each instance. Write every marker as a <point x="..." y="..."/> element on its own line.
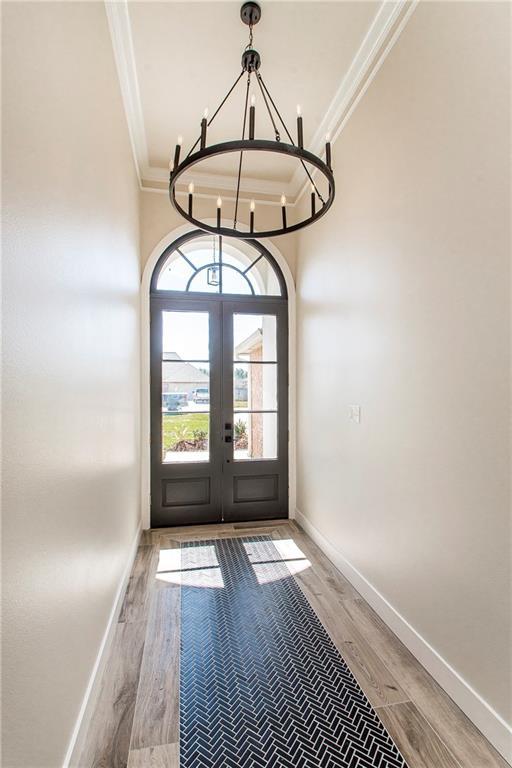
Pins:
<point x="201" y="263"/>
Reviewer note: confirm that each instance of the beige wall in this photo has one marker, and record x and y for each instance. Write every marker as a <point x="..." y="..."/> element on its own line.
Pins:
<point x="403" y="308"/>
<point x="70" y="386"/>
<point x="158" y="218"/>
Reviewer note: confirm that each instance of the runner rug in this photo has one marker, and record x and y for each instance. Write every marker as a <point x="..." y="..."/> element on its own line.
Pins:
<point x="261" y="683"/>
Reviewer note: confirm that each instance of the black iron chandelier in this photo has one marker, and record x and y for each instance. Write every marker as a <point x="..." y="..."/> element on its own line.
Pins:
<point x="315" y="168"/>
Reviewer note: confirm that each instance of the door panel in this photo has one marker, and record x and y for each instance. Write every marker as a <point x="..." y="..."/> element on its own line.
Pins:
<point x="255" y="410"/>
<point x="219" y="410"/>
<point x="186" y="449"/>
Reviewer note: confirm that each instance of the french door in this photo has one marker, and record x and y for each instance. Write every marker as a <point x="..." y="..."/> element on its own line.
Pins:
<point x="219" y="410"/>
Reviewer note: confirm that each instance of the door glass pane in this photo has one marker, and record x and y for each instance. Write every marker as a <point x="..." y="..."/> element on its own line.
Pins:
<point x="254" y="436"/>
<point x="206" y="253"/>
<point x="234" y="282"/>
<point x="185" y="336"/>
<point x="185" y="386"/>
<point x="180" y="269"/>
<point x="254" y="338"/>
<point x="260" y="274"/>
<point x="185" y="437"/>
<point x="255" y="386"/>
<point x="176" y="273"/>
<point x="206" y="280"/>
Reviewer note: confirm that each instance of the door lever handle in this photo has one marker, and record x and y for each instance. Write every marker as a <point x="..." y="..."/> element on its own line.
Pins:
<point x="228" y="439"/>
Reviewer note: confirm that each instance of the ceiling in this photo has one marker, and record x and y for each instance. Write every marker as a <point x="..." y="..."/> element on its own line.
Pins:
<point x="176" y="58"/>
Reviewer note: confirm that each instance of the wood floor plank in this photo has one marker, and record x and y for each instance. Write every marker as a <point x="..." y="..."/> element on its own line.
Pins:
<point x="377" y="682"/>
<point x="260" y="523"/>
<point x="163" y="756"/>
<point x="168" y="541"/>
<point x="193" y="529"/>
<point x="109" y="733"/>
<point x="135" y="603"/>
<point x="419" y="744"/>
<point x="156" y="719"/>
<point x="464" y="740"/>
<point x="322" y="565"/>
<point x="375" y="679"/>
<point x="168" y="569"/>
<point x="145" y="537"/>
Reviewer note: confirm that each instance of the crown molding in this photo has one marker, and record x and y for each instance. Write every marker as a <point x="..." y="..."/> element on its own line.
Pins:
<point x="122" y="43"/>
<point x="387" y="25"/>
<point x="212" y="195"/>
<point x="118" y="17"/>
<point x="218" y="182"/>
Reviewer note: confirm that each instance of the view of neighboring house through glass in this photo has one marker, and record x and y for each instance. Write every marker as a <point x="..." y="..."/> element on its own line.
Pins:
<point x="255" y="387"/>
<point x="185" y="386"/>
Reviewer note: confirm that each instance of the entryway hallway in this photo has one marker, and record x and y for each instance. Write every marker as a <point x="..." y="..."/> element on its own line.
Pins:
<point x="256" y="384"/>
<point x="236" y="710"/>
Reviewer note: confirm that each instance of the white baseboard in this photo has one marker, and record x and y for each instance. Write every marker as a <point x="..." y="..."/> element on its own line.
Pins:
<point x="89" y="699"/>
<point x="489" y="722"/>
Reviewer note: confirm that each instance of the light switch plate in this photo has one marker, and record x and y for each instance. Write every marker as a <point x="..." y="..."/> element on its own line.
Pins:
<point x="355" y="413"/>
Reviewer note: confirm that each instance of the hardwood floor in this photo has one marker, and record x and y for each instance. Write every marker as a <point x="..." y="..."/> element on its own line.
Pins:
<point x="136" y="720"/>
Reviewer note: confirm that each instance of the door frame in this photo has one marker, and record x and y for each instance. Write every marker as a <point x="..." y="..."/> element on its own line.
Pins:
<point x="145" y="371"/>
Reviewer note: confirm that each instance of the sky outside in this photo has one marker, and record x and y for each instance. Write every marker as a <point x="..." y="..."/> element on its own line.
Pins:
<point x="186" y="333"/>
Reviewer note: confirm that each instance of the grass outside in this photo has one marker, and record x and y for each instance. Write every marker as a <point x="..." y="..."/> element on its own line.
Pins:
<point x="182" y="427"/>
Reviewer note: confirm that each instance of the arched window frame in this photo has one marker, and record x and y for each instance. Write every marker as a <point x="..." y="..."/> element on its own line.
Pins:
<point x="259" y="252"/>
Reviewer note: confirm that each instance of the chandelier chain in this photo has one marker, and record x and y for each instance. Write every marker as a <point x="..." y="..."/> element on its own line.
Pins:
<point x="212" y="118"/>
<point x="262" y="82"/>
<point x="241" y="153"/>
<point x="276" y="130"/>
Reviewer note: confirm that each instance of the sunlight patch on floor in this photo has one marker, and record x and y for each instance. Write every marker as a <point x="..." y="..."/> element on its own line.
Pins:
<point x="203" y="569"/>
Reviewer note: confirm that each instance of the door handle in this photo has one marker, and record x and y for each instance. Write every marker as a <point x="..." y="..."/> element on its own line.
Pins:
<point x="228" y="439"/>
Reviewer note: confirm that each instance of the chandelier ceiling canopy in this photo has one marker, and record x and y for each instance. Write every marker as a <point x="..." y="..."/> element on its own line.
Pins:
<point x="317" y="171"/>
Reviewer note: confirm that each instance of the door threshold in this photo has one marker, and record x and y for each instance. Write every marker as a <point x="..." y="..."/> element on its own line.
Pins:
<point x="194" y="527"/>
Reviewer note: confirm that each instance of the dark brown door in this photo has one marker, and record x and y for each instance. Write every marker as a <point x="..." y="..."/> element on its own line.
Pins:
<point x="219" y="410"/>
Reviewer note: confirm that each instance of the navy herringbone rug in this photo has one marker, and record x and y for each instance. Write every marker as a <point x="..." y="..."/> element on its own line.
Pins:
<point x="261" y="683"/>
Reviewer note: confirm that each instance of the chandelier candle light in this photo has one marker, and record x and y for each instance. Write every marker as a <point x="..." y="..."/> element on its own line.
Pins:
<point x="300" y="134"/>
<point x="252" y="117"/>
<point x="219" y="211"/>
<point x="190" y="198"/>
<point x="204" y="123"/>
<point x="318" y="172"/>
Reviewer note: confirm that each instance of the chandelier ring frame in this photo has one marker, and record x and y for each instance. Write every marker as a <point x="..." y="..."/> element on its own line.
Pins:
<point x="252" y="145"/>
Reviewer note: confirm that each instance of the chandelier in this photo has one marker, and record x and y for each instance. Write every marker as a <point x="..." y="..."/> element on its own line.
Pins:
<point x="317" y="171"/>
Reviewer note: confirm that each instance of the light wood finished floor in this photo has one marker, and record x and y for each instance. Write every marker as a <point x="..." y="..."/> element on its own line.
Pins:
<point x="136" y="719"/>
